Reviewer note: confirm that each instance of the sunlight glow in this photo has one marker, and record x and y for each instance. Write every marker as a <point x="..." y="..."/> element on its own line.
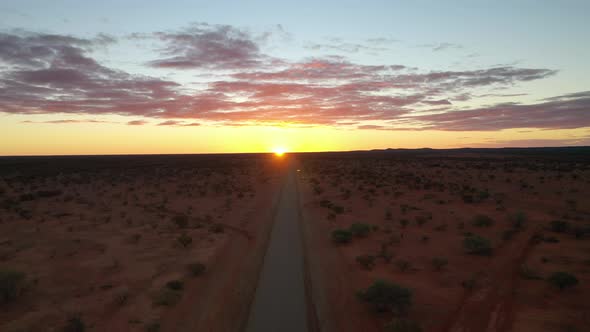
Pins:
<point x="279" y="152"/>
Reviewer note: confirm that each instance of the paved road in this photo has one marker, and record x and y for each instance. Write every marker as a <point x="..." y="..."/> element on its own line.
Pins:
<point x="279" y="303"/>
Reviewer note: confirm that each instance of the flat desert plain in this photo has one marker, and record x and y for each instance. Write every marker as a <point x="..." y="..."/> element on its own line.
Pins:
<point x="133" y="243"/>
<point x="448" y="241"/>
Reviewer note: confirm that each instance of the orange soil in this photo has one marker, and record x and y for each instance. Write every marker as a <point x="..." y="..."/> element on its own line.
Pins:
<point x="105" y="245"/>
<point x="502" y="299"/>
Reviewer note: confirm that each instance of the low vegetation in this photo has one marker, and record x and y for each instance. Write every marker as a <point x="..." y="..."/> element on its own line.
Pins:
<point x="341" y="236"/>
<point x="562" y="280"/>
<point x="384" y="296"/>
<point x="477" y="245"/>
<point x="12" y="285"/>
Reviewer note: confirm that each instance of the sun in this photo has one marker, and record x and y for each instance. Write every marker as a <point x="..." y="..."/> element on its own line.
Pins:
<point x="279" y="152"/>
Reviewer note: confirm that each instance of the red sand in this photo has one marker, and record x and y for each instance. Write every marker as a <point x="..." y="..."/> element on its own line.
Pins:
<point x="502" y="299"/>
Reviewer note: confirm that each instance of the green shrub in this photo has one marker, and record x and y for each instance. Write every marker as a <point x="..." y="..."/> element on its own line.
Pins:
<point x="12" y="284"/>
<point x="518" y="220"/>
<point x="360" y="229"/>
<point x="439" y="263"/>
<point x="403" y="265"/>
<point x="153" y="327"/>
<point x="385" y="296"/>
<point x="184" y="240"/>
<point x="563" y="280"/>
<point x="74" y="324"/>
<point x="180" y="220"/>
<point x="366" y="261"/>
<point x="341" y="236"/>
<point x="481" y="220"/>
<point x="559" y="226"/>
<point x="166" y="297"/>
<point x="528" y="273"/>
<point x="175" y="285"/>
<point x="477" y="245"/>
<point x="196" y="269"/>
<point x="403" y="325"/>
<point x="216" y="228"/>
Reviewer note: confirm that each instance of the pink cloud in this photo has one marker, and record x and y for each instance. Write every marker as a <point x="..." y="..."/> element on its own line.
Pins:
<point x="52" y="74"/>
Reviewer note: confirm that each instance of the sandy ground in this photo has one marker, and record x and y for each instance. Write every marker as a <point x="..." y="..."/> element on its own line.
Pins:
<point x="423" y="208"/>
<point x="102" y="244"/>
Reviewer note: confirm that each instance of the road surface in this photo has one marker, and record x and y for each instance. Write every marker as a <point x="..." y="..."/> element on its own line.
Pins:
<point x="279" y="303"/>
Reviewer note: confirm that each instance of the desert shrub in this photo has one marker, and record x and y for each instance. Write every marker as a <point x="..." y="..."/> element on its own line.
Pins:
<point x="477" y="245"/>
<point x="559" y="226"/>
<point x="196" y="269"/>
<point x="184" y="240"/>
<point x="318" y="190"/>
<point x="528" y="273"/>
<point x="121" y="298"/>
<point x="216" y="228"/>
<point x="360" y="229"/>
<point x="26" y="197"/>
<point x="403" y="325"/>
<point x="341" y="236"/>
<point x="467" y="198"/>
<point x="508" y="234"/>
<point x="469" y="284"/>
<point x="562" y="280"/>
<point x="388" y="214"/>
<point x="439" y="263"/>
<point x="74" y="324"/>
<point x="337" y="209"/>
<point x="550" y="239"/>
<point x="385" y="296"/>
<point x="441" y="228"/>
<point x="366" y="261"/>
<point x="166" y="297"/>
<point x="175" y="285"/>
<point x="403" y="265"/>
<point x="12" y="284"/>
<point x="420" y="220"/>
<point x="385" y="253"/>
<point x="153" y="327"/>
<point x="481" y="220"/>
<point x="580" y="232"/>
<point x="404" y="222"/>
<point x="518" y="220"/>
<point x="180" y="220"/>
<point x="48" y="193"/>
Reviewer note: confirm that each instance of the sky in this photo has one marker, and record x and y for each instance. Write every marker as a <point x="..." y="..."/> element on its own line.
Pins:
<point x="126" y="77"/>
